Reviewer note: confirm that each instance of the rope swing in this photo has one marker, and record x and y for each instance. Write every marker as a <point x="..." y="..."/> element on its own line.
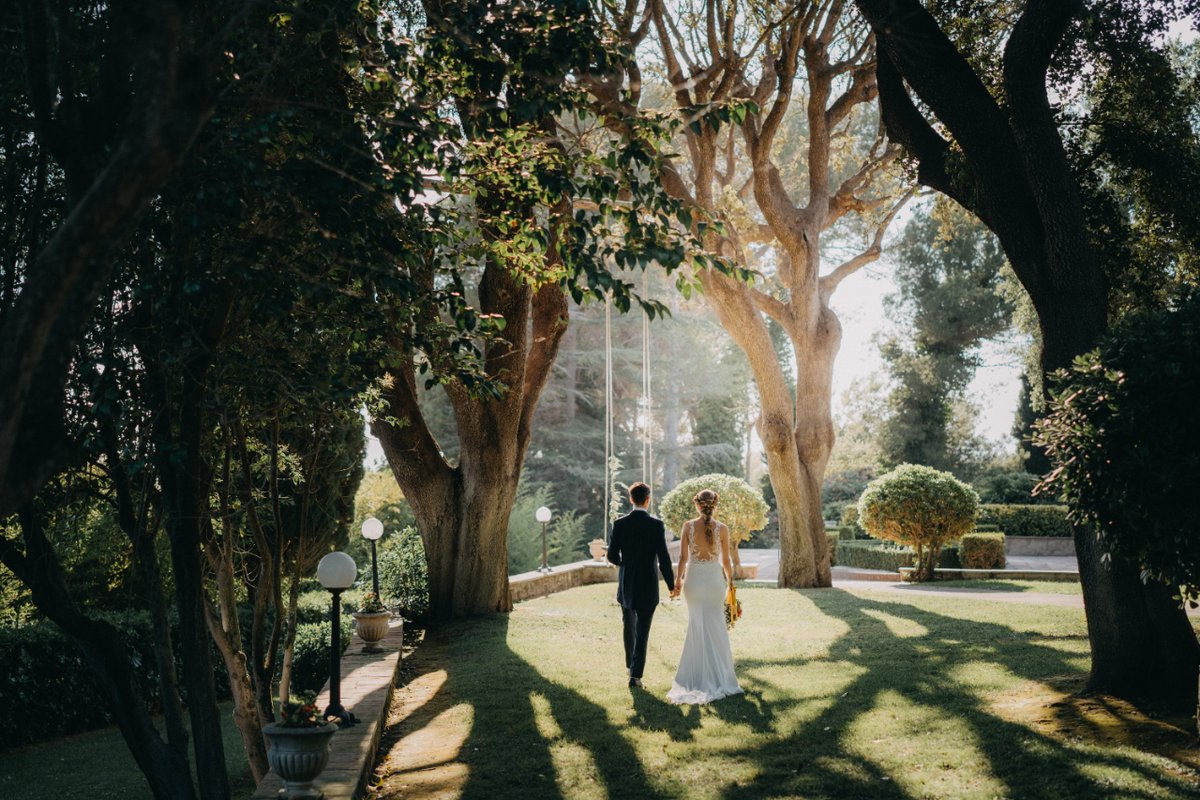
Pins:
<point x="608" y="417"/>
<point x="645" y="408"/>
<point x="647" y="416"/>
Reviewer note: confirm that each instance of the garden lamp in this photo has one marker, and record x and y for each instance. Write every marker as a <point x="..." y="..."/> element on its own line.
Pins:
<point x="372" y="530"/>
<point x="543" y="515"/>
<point x="336" y="572"/>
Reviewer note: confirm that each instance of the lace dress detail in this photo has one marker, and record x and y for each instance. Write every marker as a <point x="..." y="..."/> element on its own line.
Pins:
<point x="706" y="671"/>
<point x="694" y="551"/>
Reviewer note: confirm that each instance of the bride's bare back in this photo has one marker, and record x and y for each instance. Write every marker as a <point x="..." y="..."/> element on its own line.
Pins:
<point x="696" y="546"/>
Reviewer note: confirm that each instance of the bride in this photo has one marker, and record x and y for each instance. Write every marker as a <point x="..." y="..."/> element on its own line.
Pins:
<point x="706" y="666"/>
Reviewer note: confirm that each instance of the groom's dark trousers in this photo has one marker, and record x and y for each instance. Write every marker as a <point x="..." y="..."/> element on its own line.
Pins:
<point x="638" y="545"/>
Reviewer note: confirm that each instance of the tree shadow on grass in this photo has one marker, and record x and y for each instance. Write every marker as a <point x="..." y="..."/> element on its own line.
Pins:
<point x="815" y="761"/>
<point x="653" y="713"/>
<point x="530" y="736"/>
<point x="509" y="755"/>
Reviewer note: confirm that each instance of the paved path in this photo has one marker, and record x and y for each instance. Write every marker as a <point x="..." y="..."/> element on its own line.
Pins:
<point x="768" y="563"/>
<point x="994" y="595"/>
<point x="367" y="683"/>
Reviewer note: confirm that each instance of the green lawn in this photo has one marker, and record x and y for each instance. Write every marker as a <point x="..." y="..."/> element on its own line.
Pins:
<point x="846" y="697"/>
<point x="97" y="766"/>
<point x="1042" y="587"/>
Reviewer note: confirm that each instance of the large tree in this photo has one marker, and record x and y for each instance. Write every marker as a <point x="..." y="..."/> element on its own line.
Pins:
<point x="1005" y="162"/>
<point x="109" y="98"/>
<point x="542" y="214"/>
<point x="237" y="330"/>
<point x="776" y="106"/>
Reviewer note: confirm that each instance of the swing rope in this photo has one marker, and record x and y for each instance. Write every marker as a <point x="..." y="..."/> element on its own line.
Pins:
<point x="608" y="416"/>
<point x="647" y="417"/>
<point x="646" y="406"/>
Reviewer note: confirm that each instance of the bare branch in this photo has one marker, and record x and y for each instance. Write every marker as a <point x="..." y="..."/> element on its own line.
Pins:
<point x="829" y="283"/>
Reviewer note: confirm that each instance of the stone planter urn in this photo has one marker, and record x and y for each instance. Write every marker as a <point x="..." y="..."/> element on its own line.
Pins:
<point x="597" y="548"/>
<point x="372" y="626"/>
<point x="297" y="755"/>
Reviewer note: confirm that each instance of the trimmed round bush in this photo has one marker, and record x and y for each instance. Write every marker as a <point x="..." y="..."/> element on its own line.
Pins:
<point x="921" y="507"/>
<point x="741" y="506"/>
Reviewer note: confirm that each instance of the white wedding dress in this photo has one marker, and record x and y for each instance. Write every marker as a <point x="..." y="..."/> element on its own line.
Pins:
<point x="706" y="667"/>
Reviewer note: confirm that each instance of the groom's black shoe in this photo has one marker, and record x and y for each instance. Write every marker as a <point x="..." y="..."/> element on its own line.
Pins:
<point x="635" y="683"/>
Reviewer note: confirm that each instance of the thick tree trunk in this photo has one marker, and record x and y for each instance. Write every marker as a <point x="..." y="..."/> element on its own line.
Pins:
<point x="1019" y="183"/>
<point x="797" y="500"/>
<point x="1141" y="640"/>
<point x="462" y="511"/>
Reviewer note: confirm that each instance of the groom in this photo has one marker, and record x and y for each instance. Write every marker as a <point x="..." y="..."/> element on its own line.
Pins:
<point x="638" y="540"/>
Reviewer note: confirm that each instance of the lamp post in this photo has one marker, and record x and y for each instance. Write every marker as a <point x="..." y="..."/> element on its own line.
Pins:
<point x="372" y="529"/>
<point x="336" y="572"/>
<point x="543" y="515"/>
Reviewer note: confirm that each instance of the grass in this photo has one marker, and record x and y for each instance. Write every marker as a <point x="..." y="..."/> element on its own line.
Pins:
<point x="847" y="696"/>
<point x="1041" y="587"/>
<point x="97" y="766"/>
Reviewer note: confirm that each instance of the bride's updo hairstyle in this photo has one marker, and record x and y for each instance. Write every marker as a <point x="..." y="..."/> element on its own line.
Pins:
<point x="706" y="501"/>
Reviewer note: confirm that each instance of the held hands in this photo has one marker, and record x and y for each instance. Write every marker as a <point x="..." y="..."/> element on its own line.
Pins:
<point x="678" y="588"/>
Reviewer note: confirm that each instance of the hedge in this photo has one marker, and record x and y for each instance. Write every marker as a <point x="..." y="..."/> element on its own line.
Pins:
<point x="1026" y="520"/>
<point x="310" y="654"/>
<point x="981" y="551"/>
<point x="831" y="538"/>
<point x="44" y="675"/>
<point x="404" y="575"/>
<point x="874" y="555"/>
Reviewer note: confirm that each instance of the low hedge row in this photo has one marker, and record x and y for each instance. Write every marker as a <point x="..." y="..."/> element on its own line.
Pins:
<point x="873" y="555"/>
<point x="981" y="551"/>
<point x="43" y="673"/>
<point x="1025" y="520"/>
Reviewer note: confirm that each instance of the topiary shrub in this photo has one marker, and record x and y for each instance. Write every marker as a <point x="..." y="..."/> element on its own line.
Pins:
<point x="741" y="507"/>
<point x="1026" y="520"/>
<point x="1121" y="432"/>
<point x="981" y="551"/>
<point x="921" y="507"/>
<point x="404" y="574"/>
<point x="831" y="538"/>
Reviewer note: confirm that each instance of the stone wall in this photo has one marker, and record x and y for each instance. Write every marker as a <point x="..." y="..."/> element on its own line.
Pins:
<point x="529" y="585"/>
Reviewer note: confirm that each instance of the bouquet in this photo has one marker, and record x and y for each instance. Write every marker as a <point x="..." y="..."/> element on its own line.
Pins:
<point x="733" y="607"/>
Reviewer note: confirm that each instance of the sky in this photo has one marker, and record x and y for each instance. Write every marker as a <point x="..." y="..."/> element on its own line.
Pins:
<point x="859" y="304"/>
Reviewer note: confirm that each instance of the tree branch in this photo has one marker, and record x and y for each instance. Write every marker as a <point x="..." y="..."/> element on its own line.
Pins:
<point x="829" y="283"/>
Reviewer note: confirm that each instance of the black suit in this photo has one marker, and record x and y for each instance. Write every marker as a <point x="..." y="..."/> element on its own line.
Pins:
<point x="638" y="540"/>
